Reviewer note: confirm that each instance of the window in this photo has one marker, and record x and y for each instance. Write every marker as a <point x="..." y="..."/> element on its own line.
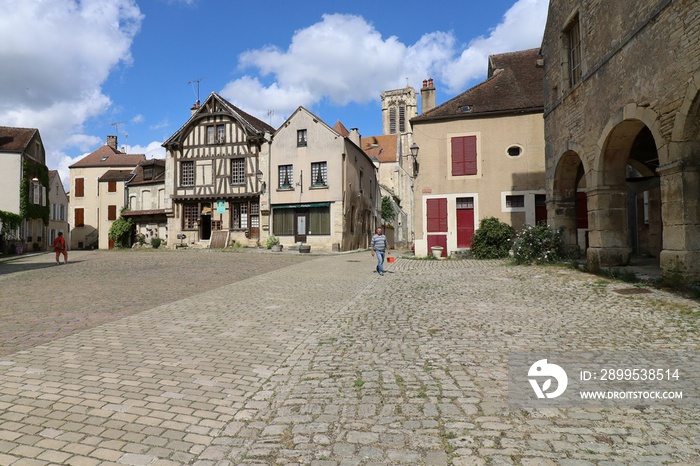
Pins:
<point x="132" y="202"/>
<point x="111" y="186"/>
<point x="80" y="217"/>
<point x="111" y="212"/>
<point x="283" y="222"/>
<point x="147" y="173"/>
<point x="515" y="151"/>
<point x="301" y="138"/>
<point x="35" y="193"/>
<point x="464" y="155"/>
<point x="190" y="213"/>
<point x="320" y="221"/>
<point x="220" y="134"/>
<point x="402" y="118"/>
<point x="210" y="135"/>
<point x="465" y="202"/>
<point x="392" y="120"/>
<point x="62" y="212"/>
<point x="187" y="173"/>
<point x="573" y="48"/>
<point x="79" y="187"/>
<point x="515" y="201"/>
<point x="238" y="171"/>
<point x="240" y="215"/>
<point x="319" y="174"/>
<point x="286" y="177"/>
<point x="254" y="215"/>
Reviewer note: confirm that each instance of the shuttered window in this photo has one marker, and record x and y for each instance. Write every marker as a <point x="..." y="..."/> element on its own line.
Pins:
<point x="80" y="217"/>
<point x="111" y="186"/>
<point x="111" y="212"/>
<point x="437" y="215"/>
<point x="79" y="187"/>
<point x="464" y="155"/>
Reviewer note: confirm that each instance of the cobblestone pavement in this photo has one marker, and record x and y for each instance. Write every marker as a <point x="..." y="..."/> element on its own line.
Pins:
<point x="321" y="362"/>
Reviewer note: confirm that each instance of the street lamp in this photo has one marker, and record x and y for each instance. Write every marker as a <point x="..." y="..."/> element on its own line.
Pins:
<point x="414" y="154"/>
<point x="259" y="177"/>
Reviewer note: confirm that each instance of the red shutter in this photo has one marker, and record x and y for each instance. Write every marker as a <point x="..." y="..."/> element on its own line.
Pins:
<point x="112" y="187"/>
<point x="436" y="211"/>
<point x="464" y="156"/>
<point x="111" y="212"/>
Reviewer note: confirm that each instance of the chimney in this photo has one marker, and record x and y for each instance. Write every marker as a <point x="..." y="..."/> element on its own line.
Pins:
<point x="427" y="96"/>
<point x="355" y="136"/>
<point x="112" y="142"/>
<point x="195" y="107"/>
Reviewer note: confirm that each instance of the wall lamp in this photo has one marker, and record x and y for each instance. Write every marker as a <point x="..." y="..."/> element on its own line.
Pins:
<point x="414" y="154"/>
<point x="259" y="177"/>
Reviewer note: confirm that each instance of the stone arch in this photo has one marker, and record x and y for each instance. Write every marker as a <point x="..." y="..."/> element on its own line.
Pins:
<point x="566" y="206"/>
<point x="625" y="197"/>
<point x="686" y="126"/>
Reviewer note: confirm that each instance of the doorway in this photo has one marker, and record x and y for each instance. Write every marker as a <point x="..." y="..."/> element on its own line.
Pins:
<point x="301" y="220"/>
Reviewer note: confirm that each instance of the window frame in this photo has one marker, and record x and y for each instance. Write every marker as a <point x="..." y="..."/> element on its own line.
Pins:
<point x="187" y="177"/>
<point x="190" y="211"/>
<point x="322" y="169"/>
<point x="574" y="51"/>
<point x="238" y="175"/>
<point x="288" y="175"/>
<point x="464" y="155"/>
<point x="302" y="138"/>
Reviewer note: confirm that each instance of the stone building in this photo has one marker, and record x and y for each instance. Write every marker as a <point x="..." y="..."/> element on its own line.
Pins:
<point x="622" y="121"/>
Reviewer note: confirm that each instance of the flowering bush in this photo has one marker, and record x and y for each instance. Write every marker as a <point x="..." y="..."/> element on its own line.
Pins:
<point x="492" y="240"/>
<point x="538" y="244"/>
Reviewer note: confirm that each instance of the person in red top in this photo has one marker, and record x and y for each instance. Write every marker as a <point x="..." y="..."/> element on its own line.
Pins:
<point x="59" y="245"/>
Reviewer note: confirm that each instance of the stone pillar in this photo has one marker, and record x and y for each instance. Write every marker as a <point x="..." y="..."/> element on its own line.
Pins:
<point x="680" y="210"/>
<point x="561" y="213"/>
<point x="607" y="222"/>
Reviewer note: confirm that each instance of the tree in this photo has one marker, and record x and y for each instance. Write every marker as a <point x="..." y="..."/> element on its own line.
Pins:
<point x="388" y="212"/>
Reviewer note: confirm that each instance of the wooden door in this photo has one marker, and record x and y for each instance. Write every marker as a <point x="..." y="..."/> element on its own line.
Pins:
<point x="436" y="213"/>
<point x="465" y="222"/>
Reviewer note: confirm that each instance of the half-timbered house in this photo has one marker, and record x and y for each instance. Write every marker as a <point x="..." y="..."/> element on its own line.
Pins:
<point x="214" y="174"/>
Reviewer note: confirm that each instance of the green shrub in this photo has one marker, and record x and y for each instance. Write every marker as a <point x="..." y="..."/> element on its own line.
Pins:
<point x="155" y="243"/>
<point x="538" y="244"/>
<point x="271" y="241"/>
<point x="120" y="231"/>
<point x="492" y="240"/>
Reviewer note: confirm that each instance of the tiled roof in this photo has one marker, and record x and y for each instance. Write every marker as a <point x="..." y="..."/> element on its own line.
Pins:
<point x="15" y="139"/>
<point x="116" y="175"/>
<point x="107" y="156"/>
<point x="514" y="84"/>
<point x="137" y="213"/>
<point x="382" y="148"/>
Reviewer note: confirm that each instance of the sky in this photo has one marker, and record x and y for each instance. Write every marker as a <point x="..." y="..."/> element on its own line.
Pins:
<point x="79" y="70"/>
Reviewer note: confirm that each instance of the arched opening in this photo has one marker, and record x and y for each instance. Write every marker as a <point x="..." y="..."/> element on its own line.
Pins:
<point x="626" y="201"/>
<point x="569" y="209"/>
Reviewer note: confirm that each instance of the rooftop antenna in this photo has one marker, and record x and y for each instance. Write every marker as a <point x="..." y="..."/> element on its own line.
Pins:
<point x="269" y="115"/>
<point x="116" y="126"/>
<point x="198" y="80"/>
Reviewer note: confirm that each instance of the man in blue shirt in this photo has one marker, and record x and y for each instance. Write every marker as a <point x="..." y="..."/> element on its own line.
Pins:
<point x="380" y="247"/>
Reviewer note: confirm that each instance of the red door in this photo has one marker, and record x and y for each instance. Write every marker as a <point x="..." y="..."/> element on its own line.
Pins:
<point x="436" y="212"/>
<point x="465" y="221"/>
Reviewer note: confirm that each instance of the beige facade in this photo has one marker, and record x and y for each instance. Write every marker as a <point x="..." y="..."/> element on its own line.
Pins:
<point x="481" y="155"/>
<point x="58" y="215"/>
<point x="215" y="176"/>
<point x="621" y="123"/>
<point x="91" y="203"/>
<point x="323" y="188"/>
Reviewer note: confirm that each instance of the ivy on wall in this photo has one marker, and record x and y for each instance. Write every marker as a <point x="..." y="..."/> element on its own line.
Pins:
<point x="27" y="209"/>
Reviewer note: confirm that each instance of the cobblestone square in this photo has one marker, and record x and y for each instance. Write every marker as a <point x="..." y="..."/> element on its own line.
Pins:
<point x="212" y="358"/>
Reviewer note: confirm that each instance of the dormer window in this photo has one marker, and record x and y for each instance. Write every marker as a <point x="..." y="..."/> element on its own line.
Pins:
<point x="147" y="173"/>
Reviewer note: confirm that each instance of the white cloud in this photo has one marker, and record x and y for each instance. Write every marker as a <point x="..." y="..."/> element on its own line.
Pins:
<point x="154" y="150"/>
<point x="344" y="59"/>
<point x="52" y="74"/>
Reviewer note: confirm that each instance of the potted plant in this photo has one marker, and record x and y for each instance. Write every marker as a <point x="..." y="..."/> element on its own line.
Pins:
<point x="273" y="243"/>
<point x="437" y="251"/>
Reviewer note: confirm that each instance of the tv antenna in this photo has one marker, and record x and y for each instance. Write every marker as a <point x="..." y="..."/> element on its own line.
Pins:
<point x="269" y="115"/>
<point x="198" y="80"/>
<point x="116" y="126"/>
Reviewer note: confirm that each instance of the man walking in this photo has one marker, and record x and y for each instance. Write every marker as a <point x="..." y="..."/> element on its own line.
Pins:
<point x="380" y="247"/>
<point x="59" y="245"/>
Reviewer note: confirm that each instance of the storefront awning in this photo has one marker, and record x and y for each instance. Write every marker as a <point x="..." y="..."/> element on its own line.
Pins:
<point x="301" y="206"/>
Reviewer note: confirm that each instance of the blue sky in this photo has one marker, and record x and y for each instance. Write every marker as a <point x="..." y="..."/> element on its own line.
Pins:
<point x="81" y="66"/>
